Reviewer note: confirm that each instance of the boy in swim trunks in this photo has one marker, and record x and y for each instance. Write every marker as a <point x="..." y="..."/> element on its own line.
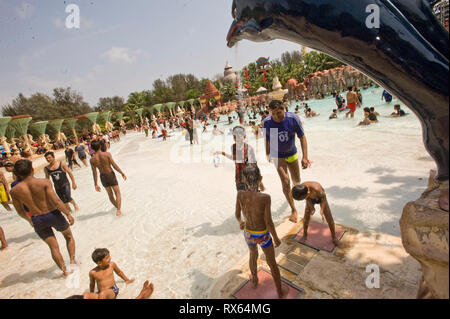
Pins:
<point x="104" y="162"/>
<point x="314" y="194"/>
<point x="103" y="275"/>
<point x="242" y="154"/>
<point x="258" y="226"/>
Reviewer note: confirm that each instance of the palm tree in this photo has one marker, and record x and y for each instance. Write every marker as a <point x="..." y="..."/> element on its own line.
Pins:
<point x="136" y="100"/>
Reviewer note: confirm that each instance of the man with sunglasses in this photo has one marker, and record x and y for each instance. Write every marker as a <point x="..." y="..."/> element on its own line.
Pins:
<point x="280" y="130"/>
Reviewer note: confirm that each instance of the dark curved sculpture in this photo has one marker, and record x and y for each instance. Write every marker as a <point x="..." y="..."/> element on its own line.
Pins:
<point x="407" y="54"/>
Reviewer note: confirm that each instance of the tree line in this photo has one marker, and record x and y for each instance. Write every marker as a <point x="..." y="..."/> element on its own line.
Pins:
<point x="66" y="102"/>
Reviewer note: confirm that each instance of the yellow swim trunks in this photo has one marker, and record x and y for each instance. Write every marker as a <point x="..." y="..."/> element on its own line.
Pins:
<point x="292" y="158"/>
<point x="3" y="197"/>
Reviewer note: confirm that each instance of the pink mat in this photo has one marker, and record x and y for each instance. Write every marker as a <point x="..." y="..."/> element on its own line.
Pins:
<point x="266" y="288"/>
<point x="319" y="236"/>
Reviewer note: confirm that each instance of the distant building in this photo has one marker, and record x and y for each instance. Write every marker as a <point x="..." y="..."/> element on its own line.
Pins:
<point x="440" y="9"/>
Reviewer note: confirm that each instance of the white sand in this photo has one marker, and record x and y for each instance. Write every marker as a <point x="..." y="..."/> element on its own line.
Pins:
<point x="179" y="229"/>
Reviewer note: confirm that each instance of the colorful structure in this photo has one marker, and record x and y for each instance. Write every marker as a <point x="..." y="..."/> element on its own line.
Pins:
<point x="38" y="129"/>
<point x="278" y="93"/>
<point x="229" y="76"/>
<point x="106" y="117"/>
<point x="20" y="125"/>
<point x="56" y="125"/>
<point x="4" y="121"/>
<point x="71" y="123"/>
<point x="93" y="119"/>
<point x="211" y="92"/>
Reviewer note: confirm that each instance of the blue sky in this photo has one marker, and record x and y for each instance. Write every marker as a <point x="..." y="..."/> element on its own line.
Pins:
<point x="120" y="47"/>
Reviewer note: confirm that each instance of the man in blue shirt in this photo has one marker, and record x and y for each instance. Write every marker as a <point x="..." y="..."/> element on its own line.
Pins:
<point x="280" y="130"/>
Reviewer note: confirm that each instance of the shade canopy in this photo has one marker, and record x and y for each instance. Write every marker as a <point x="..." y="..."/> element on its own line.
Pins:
<point x="55" y="125"/>
<point x="119" y="116"/>
<point x="105" y="116"/>
<point x="139" y="112"/>
<point x="71" y="123"/>
<point x="4" y="121"/>
<point x="171" y="105"/>
<point x="92" y="117"/>
<point x="20" y="123"/>
<point x="38" y="128"/>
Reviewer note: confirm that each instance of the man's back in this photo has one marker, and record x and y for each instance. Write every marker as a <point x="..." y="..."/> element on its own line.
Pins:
<point x="33" y="193"/>
<point x="253" y="206"/>
<point x="351" y="97"/>
<point x="102" y="160"/>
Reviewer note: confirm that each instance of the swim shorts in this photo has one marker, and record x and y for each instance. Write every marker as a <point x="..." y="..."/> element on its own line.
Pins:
<point x="109" y="179"/>
<point x="43" y="224"/>
<point x="64" y="193"/>
<point x="352" y="107"/>
<point x="3" y="197"/>
<point x="115" y="289"/>
<point x="262" y="238"/>
<point x="292" y="159"/>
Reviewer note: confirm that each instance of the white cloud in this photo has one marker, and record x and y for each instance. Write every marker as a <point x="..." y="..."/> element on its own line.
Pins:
<point x="25" y="11"/>
<point x="122" y="55"/>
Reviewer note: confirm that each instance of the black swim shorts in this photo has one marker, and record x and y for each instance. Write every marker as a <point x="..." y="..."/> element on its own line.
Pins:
<point x="109" y="179"/>
<point x="64" y="193"/>
<point x="43" y="224"/>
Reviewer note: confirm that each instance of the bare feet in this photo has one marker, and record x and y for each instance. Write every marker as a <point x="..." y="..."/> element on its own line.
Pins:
<point x="4" y="247"/>
<point x="304" y="238"/>
<point x="336" y="242"/>
<point x="294" y="217"/>
<point x="118" y="213"/>
<point x="77" y="208"/>
<point x="284" y="291"/>
<point x="147" y="290"/>
<point x="254" y="280"/>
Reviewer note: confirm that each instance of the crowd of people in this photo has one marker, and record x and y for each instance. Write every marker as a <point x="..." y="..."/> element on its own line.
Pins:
<point x="47" y="203"/>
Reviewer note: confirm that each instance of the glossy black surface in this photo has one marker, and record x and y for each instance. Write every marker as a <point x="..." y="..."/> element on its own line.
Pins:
<point x="407" y="55"/>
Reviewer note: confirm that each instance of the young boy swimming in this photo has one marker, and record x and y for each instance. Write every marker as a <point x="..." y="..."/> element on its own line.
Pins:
<point x="103" y="275"/>
<point x="258" y="226"/>
<point x="314" y="194"/>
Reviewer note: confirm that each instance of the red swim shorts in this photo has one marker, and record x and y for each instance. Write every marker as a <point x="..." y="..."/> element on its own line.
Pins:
<point x="352" y="107"/>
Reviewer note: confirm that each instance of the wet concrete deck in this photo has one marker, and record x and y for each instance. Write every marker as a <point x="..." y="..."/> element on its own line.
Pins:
<point x="341" y="274"/>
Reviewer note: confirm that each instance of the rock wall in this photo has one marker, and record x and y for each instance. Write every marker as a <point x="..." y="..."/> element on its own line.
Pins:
<point x="425" y="232"/>
<point x="328" y="81"/>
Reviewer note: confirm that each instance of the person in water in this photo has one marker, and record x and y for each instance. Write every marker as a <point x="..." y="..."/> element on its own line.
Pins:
<point x="386" y="96"/>
<point x="352" y="102"/>
<point x="80" y="149"/>
<point x="398" y="111"/>
<point x="314" y="194"/>
<point x="258" y="226"/>
<point x="242" y="154"/>
<point x="333" y="115"/>
<point x="45" y="210"/>
<point x="103" y="275"/>
<point x="58" y="172"/>
<point x="368" y="118"/>
<point x="104" y="162"/>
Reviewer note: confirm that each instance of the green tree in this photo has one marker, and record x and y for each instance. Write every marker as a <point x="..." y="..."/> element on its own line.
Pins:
<point x="114" y="104"/>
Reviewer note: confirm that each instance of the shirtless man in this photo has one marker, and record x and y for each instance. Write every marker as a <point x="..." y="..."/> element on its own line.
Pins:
<point x="352" y="101"/>
<point x="314" y="194"/>
<point x="58" y="171"/>
<point x="103" y="275"/>
<point x="45" y="210"/>
<point x="104" y="162"/>
<point x="258" y="226"/>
